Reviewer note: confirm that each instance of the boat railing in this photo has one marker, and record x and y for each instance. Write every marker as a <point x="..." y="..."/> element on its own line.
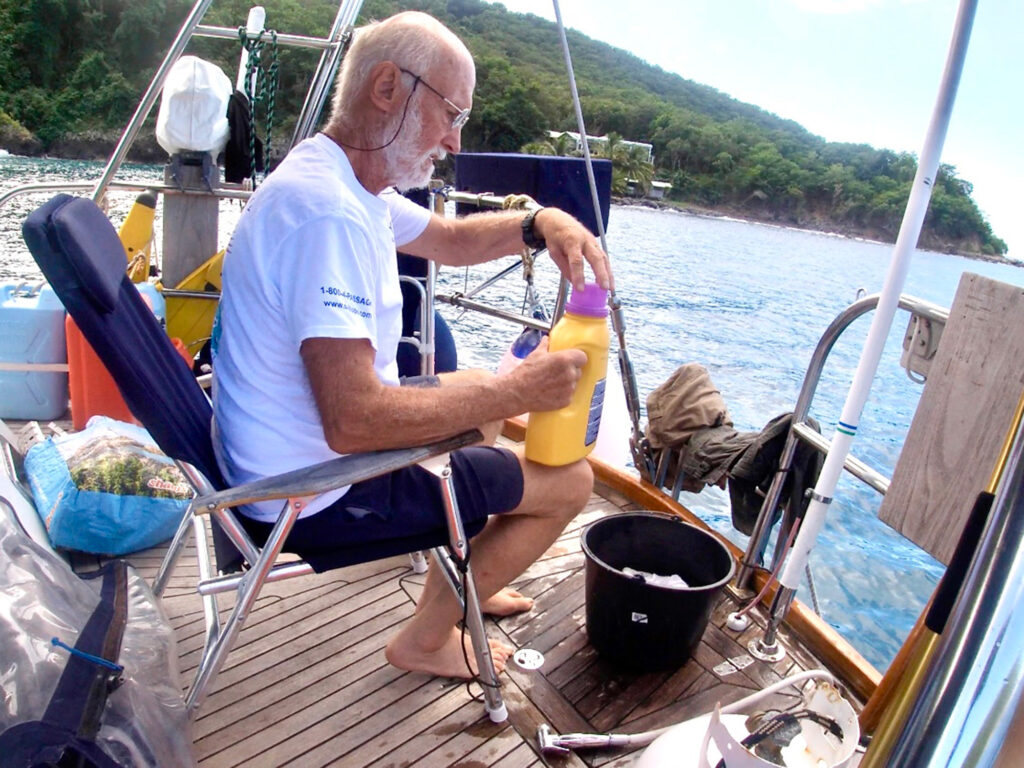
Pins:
<point x="801" y="430"/>
<point x="316" y="96"/>
<point x="231" y="33"/>
<point x="227" y="192"/>
<point x="466" y="300"/>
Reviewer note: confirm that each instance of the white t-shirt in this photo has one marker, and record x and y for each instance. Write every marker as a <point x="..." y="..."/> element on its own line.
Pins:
<point x="313" y="256"/>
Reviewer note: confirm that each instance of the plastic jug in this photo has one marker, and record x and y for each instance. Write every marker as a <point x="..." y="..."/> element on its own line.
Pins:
<point x="524" y="343"/>
<point x="33" y="384"/>
<point x="561" y="437"/>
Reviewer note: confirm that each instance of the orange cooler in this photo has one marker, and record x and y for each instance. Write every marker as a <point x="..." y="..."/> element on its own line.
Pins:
<point x="93" y="390"/>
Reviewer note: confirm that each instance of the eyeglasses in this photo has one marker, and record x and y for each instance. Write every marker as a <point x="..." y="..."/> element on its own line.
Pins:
<point x="462" y="115"/>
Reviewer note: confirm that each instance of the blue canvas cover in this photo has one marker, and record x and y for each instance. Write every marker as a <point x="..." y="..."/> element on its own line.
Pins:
<point x="557" y="181"/>
<point x="54" y="700"/>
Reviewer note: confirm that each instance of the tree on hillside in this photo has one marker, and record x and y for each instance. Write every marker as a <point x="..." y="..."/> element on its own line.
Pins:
<point x="636" y="167"/>
<point x="79" y="65"/>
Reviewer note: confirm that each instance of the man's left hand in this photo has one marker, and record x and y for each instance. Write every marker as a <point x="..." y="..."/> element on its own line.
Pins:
<point x="570" y="244"/>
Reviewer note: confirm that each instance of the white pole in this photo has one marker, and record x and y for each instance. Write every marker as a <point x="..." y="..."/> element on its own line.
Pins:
<point x="910" y="231"/>
<point x="253" y="25"/>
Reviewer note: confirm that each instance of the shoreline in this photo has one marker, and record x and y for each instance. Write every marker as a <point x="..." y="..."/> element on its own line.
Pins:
<point x="92" y="145"/>
<point x="97" y="147"/>
<point x="690" y="209"/>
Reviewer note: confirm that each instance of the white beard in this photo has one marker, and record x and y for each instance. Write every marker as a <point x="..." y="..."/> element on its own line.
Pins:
<point x="406" y="167"/>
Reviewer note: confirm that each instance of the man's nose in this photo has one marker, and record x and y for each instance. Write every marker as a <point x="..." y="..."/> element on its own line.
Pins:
<point x="452" y="141"/>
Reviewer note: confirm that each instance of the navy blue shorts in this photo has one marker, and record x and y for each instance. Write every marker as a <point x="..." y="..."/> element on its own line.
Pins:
<point x="403" y="511"/>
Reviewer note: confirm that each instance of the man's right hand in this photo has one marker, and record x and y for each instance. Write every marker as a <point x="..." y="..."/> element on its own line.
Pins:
<point x="545" y="381"/>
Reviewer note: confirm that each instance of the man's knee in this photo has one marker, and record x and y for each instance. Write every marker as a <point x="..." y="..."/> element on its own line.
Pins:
<point x="579" y="480"/>
<point x="560" y="491"/>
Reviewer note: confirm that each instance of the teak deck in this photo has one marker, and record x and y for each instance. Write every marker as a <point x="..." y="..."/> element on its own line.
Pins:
<point x="307" y="683"/>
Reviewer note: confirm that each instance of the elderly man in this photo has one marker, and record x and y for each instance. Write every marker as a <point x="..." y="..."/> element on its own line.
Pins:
<point x="310" y="322"/>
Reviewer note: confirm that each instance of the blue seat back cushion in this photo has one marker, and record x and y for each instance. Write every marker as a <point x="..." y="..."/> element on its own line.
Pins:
<point x="94" y="250"/>
<point x="81" y="256"/>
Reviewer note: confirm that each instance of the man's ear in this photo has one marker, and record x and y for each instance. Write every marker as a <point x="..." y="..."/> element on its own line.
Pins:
<point x="385" y="86"/>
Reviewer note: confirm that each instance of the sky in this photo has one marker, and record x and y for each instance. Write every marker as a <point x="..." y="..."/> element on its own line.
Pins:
<point x="863" y="71"/>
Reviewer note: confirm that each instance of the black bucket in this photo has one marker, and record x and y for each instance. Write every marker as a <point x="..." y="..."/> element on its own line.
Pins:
<point x="637" y="625"/>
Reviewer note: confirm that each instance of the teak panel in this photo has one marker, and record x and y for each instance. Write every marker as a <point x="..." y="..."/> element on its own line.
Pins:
<point x="966" y="408"/>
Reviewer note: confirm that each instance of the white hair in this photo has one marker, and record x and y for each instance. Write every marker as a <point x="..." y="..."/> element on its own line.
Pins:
<point x="412" y="40"/>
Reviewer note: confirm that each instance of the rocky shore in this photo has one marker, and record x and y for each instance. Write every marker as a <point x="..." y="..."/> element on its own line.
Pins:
<point x="91" y="145"/>
<point x="98" y="145"/>
<point x="813" y="224"/>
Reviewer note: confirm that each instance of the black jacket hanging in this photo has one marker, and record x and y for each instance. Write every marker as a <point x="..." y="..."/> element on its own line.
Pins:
<point x="238" y="153"/>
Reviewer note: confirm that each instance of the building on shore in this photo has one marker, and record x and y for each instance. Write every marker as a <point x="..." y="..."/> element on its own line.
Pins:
<point x="595" y="143"/>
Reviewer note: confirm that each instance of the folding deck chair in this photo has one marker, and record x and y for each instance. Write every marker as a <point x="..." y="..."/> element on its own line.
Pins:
<point x="80" y="254"/>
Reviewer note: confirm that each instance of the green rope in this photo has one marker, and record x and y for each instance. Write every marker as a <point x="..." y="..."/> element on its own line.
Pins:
<point x="265" y="93"/>
<point x="271" y="83"/>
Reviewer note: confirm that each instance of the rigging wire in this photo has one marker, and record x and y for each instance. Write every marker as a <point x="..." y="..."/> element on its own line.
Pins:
<point x="642" y="459"/>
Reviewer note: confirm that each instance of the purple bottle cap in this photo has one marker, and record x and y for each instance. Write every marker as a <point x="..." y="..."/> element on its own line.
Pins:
<point x="592" y="301"/>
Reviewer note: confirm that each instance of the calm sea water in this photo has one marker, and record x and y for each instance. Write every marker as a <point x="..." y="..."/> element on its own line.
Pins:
<point x="747" y="301"/>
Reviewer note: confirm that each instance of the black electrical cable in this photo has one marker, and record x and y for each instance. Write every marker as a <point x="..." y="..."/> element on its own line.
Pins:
<point x="391" y="141"/>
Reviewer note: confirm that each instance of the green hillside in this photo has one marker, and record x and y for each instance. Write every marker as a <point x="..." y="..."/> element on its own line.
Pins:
<point x="74" y="68"/>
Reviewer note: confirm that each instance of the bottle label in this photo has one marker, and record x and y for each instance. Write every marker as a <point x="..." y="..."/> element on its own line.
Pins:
<point x="594" y="417"/>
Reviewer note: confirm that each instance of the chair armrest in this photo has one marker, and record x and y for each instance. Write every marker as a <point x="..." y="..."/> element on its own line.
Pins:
<point x="336" y="473"/>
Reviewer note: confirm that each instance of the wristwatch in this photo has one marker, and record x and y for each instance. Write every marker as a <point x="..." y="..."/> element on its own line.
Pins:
<point x="529" y="235"/>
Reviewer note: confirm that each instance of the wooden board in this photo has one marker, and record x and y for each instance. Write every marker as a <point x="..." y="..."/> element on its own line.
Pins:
<point x="190" y="227"/>
<point x="966" y="408"/>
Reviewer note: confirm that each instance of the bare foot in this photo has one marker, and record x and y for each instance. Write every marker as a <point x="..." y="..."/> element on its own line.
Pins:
<point x="506" y="602"/>
<point x="447" y="661"/>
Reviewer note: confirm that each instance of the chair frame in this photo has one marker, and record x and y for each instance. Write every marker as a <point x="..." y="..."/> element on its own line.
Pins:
<point x="66" y="248"/>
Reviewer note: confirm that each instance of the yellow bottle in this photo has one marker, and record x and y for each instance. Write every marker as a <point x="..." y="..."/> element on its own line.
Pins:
<point x="561" y="437"/>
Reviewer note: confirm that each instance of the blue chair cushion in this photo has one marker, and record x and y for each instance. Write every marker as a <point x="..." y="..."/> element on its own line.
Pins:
<point x="101" y="264"/>
<point x="79" y="252"/>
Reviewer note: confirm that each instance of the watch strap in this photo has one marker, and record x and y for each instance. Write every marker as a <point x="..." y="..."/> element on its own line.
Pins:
<point x="530" y="237"/>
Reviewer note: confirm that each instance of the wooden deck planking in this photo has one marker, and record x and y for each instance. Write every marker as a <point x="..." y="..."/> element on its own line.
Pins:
<point x="235" y="706"/>
<point x="307" y="683"/>
<point x="324" y="631"/>
<point x="450" y="742"/>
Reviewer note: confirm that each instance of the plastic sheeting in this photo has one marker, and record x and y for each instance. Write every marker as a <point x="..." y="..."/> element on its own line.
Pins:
<point x="193" y="112"/>
<point x="144" y="722"/>
<point x="107" y="489"/>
